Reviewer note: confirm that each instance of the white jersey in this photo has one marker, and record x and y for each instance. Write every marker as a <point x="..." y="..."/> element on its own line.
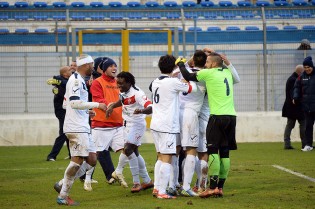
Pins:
<point x="165" y="90"/>
<point x="76" y="121"/>
<point x="132" y="100"/>
<point x="195" y="99"/>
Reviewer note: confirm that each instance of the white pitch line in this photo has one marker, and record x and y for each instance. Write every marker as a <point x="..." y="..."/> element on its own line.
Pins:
<point x="294" y="173"/>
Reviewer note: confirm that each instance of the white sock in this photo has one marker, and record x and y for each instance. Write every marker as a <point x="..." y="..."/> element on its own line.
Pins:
<point x="157" y="174"/>
<point x="60" y="183"/>
<point x="183" y="172"/>
<point x="134" y="168"/>
<point x="88" y="174"/>
<point x="68" y="178"/>
<point x="143" y="170"/>
<point x="189" y="169"/>
<point x="174" y="172"/>
<point x="123" y="160"/>
<point x="165" y="172"/>
<point x="204" y="173"/>
<point x="198" y="172"/>
<point x="82" y="170"/>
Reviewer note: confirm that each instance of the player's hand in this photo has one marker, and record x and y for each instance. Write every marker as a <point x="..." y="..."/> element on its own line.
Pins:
<point x="55" y="90"/>
<point x="110" y="109"/>
<point x="293" y="101"/>
<point x="92" y="113"/>
<point x="137" y="111"/>
<point x="102" y="106"/>
<point x="180" y="60"/>
<point x="225" y="60"/>
<point x="208" y="50"/>
<point x="53" y="81"/>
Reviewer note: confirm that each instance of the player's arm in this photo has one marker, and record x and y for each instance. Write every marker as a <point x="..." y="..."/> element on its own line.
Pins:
<point x="180" y="62"/>
<point x="236" y="78"/>
<point x="297" y="90"/>
<point x="112" y="106"/>
<point x="145" y="103"/>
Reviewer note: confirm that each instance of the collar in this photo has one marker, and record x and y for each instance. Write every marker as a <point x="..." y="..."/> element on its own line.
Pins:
<point x="107" y="78"/>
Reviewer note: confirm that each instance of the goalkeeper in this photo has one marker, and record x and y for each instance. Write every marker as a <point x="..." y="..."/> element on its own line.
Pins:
<point x="59" y="82"/>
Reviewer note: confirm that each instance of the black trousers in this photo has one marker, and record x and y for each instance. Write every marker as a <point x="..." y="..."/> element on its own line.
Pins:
<point x="309" y="124"/>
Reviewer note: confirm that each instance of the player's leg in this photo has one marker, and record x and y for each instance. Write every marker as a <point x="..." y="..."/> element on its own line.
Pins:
<point x="287" y="133"/>
<point x="91" y="163"/>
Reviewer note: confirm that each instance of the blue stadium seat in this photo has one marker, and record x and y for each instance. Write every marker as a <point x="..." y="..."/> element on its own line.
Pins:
<point x="244" y="4"/>
<point x="40" y="17"/>
<point x="77" y="4"/>
<point x="20" y="17"/>
<point x="271" y="28"/>
<point x="189" y="4"/>
<point x="151" y="4"/>
<point x="191" y="15"/>
<point x="116" y="17"/>
<point x="213" y="28"/>
<point x="78" y="17"/>
<point x="40" y="4"/>
<point x="304" y="14"/>
<point x="281" y="3"/>
<point x="134" y="16"/>
<point x="207" y="4"/>
<point x="247" y="15"/>
<point x="41" y="30"/>
<point x="4" y="17"/>
<point x="21" y="31"/>
<point x="96" y="4"/>
<point x="59" y="17"/>
<point x="262" y="3"/>
<point x="170" y="4"/>
<point x="61" y="30"/>
<point x="21" y="4"/>
<point x="299" y="3"/>
<point x="97" y="17"/>
<point x="59" y="4"/>
<point x="225" y="3"/>
<point x="115" y="4"/>
<point x="172" y="16"/>
<point x="269" y="15"/>
<point x="308" y="27"/>
<point x="4" y="4"/>
<point x="228" y="16"/>
<point x="4" y="31"/>
<point x="284" y="14"/>
<point x="153" y="16"/>
<point x="232" y="28"/>
<point x="198" y="29"/>
<point x="251" y="28"/>
<point x="210" y="15"/>
<point x="313" y="2"/>
<point x="290" y="27"/>
<point x="133" y="4"/>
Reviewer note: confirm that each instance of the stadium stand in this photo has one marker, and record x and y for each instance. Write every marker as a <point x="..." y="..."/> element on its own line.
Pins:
<point x="213" y="28"/>
<point x="290" y="27"/>
<point x="20" y="17"/>
<point x="59" y="4"/>
<point x="299" y="2"/>
<point x="133" y="4"/>
<point x="4" y="17"/>
<point x="40" y="4"/>
<point x="189" y="4"/>
<point x="170" y="4"/>
<point x="115" y="4"/>
<point x="207" y="4"/>
<point x="210" y="15"/>
<point x="78" y="17"/>
<point x="59" y="17"/>
<point x="96" y="4"/>
<point x="244" y="4"/>
<point x="232" y="28"/>
<point x="97" y="17"/>
<point x="152" y="4"/>
<point x="41" y="30"/>
<point x="262" y="3"/>
<point x="271" y="28"/>
<point x="308" y="27"/>
<point x="116" y="17"/>
<point x="172" y="16"/>
<point x="61" y="30"/>
<point x="228" y="16"/>
<point x="4" y="4"/>
<point x="40" y="18"/>
<point x="281" y="3"/>
<point x="134" y="16"/>
<point x="4" y="31"/>
<point x="285" y="14"/>
<point x="225" y="3"/>
<point x="304" y="14"/>
<point x="198" y="29"/>
<point x="191" y="15"/>
<point x="77" y="4"/>
<point x="247" y="15"/>
<point x="21" y="4"/>
<point x="251" y="28"/>
<point x="153" y="16"/>
<point x="21" y="31"/>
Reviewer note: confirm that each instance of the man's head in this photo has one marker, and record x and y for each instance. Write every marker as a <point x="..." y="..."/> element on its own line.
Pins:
<point x="73" y="66"/>
<point x="97" y="68"/>
<point x="299" y="69"/>
<point x="214" y="60"/>
<point x="65" y="71"/>
<point x="167" y="64"/>
<point x="109" y="67"/>
<point x="199" y="58"/>
<point x="125" y="80"/>
<point x="85" y="64"/>
<point x="308" y="65"/>
<point x="305" y="45"/>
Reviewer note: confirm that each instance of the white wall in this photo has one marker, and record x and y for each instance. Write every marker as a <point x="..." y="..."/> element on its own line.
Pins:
<point x="42" y="129"/>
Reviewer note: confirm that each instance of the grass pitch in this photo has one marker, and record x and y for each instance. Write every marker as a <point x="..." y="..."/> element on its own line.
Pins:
<point x="27" y="181"/>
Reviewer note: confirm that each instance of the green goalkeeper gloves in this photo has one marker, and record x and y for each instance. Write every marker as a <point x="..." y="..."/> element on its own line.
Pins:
<point x="53" y="81"/>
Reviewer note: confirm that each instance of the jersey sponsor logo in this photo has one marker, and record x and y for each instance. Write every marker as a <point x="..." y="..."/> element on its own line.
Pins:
<point x="129" y="100"/>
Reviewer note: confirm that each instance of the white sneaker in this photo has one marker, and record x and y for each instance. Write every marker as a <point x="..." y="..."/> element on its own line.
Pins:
<point x="307" y="148"/>
<point x="87" y="186"/>
<point x="120" y="178"/>
<point x="93" y="181"/>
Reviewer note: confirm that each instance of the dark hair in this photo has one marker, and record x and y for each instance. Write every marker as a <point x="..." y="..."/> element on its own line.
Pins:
<point x="304" y="47"/>
<point x="216" y="58"/>
<point x="129" y="78"/>
<point x="200" y="58"/>
<point x="167" y="64"/>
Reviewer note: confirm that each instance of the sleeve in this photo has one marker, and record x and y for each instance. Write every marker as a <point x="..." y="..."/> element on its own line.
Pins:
<point x="236" y="78"/>
<point x="188" y="76"/>
<point x="97" y="93"/>
<point x="297" y="89"/>
<point x="185" y="87"/>
<point x="143" y="100"/>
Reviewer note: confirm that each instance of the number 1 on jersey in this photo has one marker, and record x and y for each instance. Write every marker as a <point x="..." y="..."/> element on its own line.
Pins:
<point x="227" y="87"/>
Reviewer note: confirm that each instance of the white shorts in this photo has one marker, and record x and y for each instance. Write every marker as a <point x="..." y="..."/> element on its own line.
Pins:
<point x="108" y="137"/>
<point x="189" y="127"/>
<point x="202" y="146"/>
<point x="133" y="132"/>
<point x="81" y="144"/>
<point x="165" y="143"/>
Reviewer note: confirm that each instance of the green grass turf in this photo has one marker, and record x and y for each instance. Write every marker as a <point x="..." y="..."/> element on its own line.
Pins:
<point x="27" y="181"/>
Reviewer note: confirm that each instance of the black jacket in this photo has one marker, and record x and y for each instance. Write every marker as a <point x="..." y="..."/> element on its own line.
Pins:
<point x="58" y="98"/>
<point x="304" y="91"/>
<point x="290" y="110"/>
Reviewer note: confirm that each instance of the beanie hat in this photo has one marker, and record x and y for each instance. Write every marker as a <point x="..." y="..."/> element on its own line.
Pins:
<point x="97" y="62"/>
<point x="308" y="62"/>
<point x="107" y="62"/>
<point x="305" y="41"/>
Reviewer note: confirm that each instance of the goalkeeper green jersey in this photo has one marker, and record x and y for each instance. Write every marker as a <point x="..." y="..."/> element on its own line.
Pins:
<point x="219" y="84"/>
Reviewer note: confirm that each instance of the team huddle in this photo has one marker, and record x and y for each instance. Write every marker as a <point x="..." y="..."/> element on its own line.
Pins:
<point x="192" y="109"/>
